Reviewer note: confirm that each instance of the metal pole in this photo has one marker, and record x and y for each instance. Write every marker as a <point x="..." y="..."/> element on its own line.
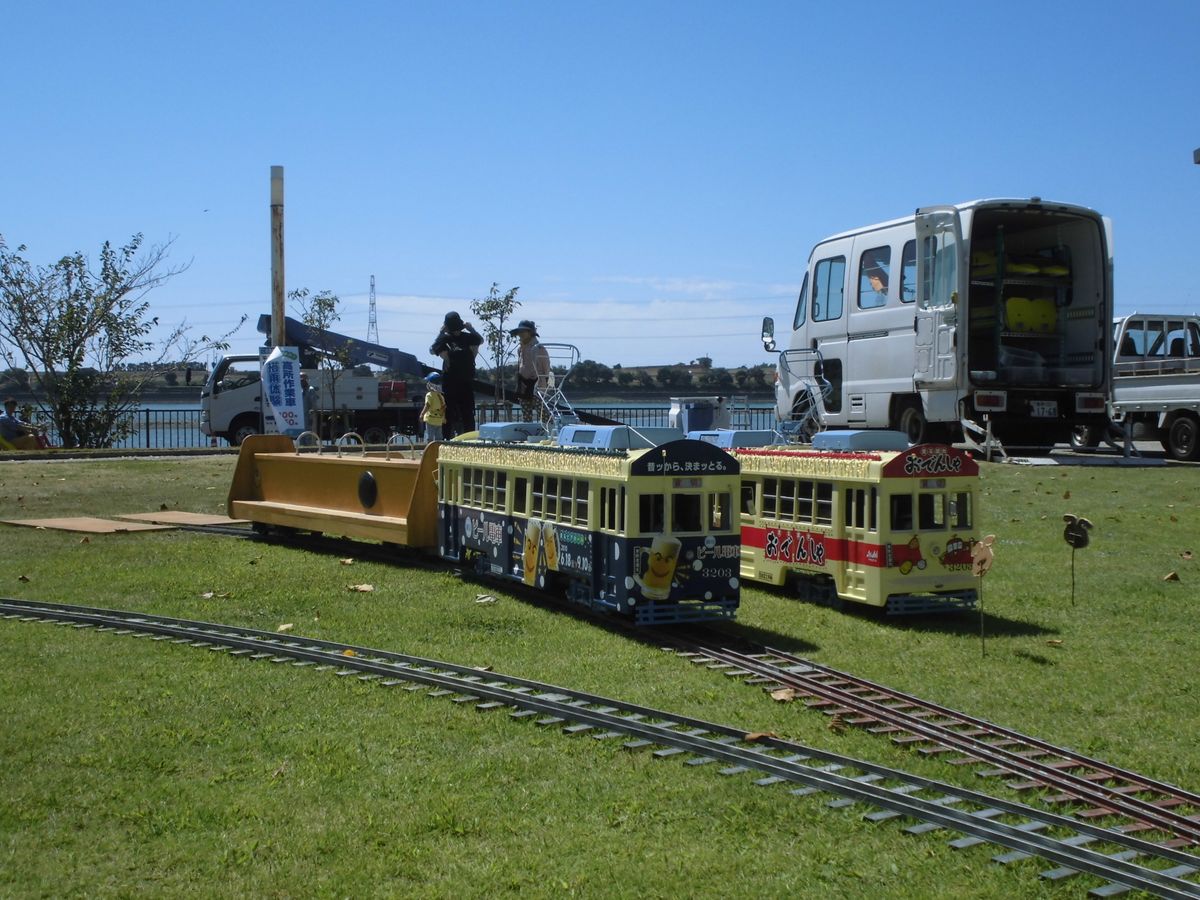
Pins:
<point x="277" y="293"/>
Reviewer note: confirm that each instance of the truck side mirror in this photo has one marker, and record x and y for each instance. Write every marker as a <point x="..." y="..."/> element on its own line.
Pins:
<point x="768" y="333"/>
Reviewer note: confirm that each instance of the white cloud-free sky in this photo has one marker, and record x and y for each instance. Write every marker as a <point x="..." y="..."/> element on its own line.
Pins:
<point x="652" y="174"/>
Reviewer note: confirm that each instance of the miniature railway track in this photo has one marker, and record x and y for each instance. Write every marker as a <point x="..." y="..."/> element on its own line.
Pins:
<point x="1097" y="789"/>
<point x="1122" y="860"/>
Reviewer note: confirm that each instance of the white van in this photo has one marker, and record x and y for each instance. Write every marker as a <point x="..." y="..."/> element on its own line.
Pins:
<point x="928" y="324"/>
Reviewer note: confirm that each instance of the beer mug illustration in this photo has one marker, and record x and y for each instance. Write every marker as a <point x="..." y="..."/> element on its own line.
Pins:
<point x="550" y="543"/>
<point x="658" y="567"/>
<point x="533" y="538"/>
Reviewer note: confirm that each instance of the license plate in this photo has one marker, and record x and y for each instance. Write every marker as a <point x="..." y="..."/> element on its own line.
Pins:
<point x="1043" y="409"/>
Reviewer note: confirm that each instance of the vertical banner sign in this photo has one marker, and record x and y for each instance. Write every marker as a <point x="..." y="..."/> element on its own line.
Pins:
<point x="281" y="387"/>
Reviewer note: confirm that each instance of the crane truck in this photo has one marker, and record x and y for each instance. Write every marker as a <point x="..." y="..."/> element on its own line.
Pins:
<point x="349" y="399"/>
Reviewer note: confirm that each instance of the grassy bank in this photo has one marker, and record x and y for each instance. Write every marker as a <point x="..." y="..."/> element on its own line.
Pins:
<point x="135" y="767"/>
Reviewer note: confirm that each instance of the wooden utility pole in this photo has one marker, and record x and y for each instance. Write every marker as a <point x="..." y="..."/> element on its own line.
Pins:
<point x="277" y="294"/>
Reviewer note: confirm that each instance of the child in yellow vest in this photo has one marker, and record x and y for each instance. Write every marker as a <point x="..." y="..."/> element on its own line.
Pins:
<point x="433" y="413"/>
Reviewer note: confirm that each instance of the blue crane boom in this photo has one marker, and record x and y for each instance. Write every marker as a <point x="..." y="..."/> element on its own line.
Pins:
<point x="346" y="349"/>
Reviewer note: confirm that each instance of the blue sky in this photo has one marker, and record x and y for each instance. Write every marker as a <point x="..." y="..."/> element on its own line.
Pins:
<point x="652" y="175"/>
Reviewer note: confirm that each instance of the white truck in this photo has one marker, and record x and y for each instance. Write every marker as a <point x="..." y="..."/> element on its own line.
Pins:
<point x="348" y="400"/>
<point x="1156" y="384"/>
<point x="989" y="313"/>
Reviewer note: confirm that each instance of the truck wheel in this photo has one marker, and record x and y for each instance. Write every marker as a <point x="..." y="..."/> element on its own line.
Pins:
<point x="913" y="423"/>
<point x="375" y="435"/>
<point x="242" y="428"/>
<point x="1183" y="438"/>
<point x="1083" y="437"/>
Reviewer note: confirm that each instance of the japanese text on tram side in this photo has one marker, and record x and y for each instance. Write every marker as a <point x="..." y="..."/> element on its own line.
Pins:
<point x="675" y="467"/>
<point x="935" y="463"/>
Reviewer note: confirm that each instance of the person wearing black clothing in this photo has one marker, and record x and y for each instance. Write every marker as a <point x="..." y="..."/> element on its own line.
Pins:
<point x="457" y="344"/>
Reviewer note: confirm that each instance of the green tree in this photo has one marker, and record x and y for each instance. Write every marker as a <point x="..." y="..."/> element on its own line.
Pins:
<point x="76" y="327"/>
<point x="674" y="377"/>
<point x="331" y="355"/>
<point x="592" y="374"/>
<point x="493" y="311"/>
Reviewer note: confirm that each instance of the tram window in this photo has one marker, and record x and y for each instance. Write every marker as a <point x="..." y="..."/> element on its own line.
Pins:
<point x="873" y="511"/>
<point x="520" y="487"/>
<point x="902" y="512"/>
<point x="489" y="489"/>
<point x="748" y="498"/>
<point x="856" y="508"/>
<point x="824" y="503"/>
<point x="566" y="499"/>
<point x="787" y="499"/>
<point x="719" y="512"/>
<point x="550" y="509"/>
<point x="501" y="490"/>
<point x="804" y="497"/>
<point x="651" y="508"/>
<point x="960" y="510"/>
<point x="621" y="508"/>
<point x="581" y="502"/>
<point x="685" y="512"/>
<point x="770" y="496"/>
<point x="539" y="493"/>
<point x="931" y="510"/>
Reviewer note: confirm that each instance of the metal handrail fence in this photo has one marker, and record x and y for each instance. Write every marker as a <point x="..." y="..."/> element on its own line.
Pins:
<point x="179" y="428"/>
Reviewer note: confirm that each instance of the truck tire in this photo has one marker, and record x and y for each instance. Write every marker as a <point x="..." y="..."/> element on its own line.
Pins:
<point x="1182" y="440"/>
<point x="1084" y="437"/>
<point x="911" y="420"/>
<point x="241" y="428"/>
<point x="376" y="434"/>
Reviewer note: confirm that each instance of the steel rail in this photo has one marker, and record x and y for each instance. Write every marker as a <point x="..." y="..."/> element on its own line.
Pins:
<point x="1133" y="778"/>
<point x="1084" y="790"/>
<point x="561" y="705"/>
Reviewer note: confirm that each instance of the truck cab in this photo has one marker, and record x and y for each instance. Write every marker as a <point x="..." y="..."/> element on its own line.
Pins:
<point x="993" y="310"/>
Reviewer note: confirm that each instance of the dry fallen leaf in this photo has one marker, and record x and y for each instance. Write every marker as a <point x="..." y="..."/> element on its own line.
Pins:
<point x="484" y="598"/>
<point x="348" y="652"/>
<point x="85" y="540"/>
<point x="837" y="724"/>
<point x="1054" y="642"/>
<point x="482" y="668"/>
<point x="1171" y="576"/>
<point x="22" y="578"/>
<point x="760" y="735"/>
<point x="348" y="561"/>
<point x="286" y="626"/>
<point x="361" y="588"/>
<point x="784" y="695"/>
<point x="1186" y="554"/>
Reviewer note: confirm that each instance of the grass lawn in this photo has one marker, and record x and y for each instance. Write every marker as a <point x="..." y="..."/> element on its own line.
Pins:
<point x="140" y="768"/>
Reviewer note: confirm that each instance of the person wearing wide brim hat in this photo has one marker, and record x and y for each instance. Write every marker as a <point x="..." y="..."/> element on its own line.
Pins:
<point x="533" y="367"/>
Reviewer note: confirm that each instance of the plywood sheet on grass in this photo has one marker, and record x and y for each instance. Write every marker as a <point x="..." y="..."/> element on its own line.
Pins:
<point x="180" y="517"/>
<point x="89" y="524"/>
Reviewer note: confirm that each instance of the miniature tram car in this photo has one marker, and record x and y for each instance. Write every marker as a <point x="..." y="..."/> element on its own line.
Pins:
<point x="646" y="532"/>
<point x="862" y="517"/>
